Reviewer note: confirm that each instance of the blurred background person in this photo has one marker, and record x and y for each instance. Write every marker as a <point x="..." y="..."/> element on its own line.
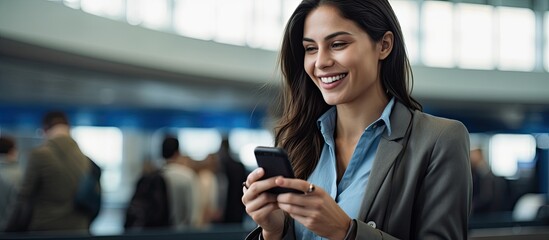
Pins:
<point x="149" y="206"/>
<point x="10" y="178"/>
<point x="167" y="196"/>
<point x="209" y="186"/>
<point x="51" y="179"/>
<point x="488" y="189"/>
<point x="235" y="173"/>
<point x="181" y="186"/>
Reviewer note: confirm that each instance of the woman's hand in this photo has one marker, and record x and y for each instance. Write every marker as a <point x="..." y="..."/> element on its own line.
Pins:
<point x="262" y="206"/>
<point x="315" y="209"/>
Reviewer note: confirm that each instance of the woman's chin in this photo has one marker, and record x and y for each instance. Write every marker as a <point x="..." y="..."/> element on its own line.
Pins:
<point x="332" y="101"/>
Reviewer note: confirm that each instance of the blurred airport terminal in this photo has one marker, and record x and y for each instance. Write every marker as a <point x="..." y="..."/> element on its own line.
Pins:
<point x="127" y="72"/>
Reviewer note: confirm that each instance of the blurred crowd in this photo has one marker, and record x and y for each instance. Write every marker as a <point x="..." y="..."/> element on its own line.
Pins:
<point x="197" y="193"/>
<point x="42" y="194"/>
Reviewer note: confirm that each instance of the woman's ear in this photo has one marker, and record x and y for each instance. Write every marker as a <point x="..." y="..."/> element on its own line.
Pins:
<point x="386" y="45"/>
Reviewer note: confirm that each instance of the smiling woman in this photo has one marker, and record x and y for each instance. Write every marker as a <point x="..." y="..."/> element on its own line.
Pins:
<point x="380" y="167"/>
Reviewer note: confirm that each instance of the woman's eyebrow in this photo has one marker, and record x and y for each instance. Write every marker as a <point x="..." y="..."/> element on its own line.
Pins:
<point x="333" y="35"/>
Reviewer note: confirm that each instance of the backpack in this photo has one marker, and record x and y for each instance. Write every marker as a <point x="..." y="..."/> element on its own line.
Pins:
<point x="148" y="208"/>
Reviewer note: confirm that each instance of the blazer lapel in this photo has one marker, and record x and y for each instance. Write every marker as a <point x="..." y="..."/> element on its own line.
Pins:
<point x="387" y="152"/>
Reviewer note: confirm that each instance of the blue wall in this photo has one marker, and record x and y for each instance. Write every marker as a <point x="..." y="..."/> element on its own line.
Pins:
<point x="29" y="116"/>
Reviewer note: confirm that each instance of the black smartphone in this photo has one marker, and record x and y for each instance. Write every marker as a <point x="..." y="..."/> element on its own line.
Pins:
<point x="275" y="162"/>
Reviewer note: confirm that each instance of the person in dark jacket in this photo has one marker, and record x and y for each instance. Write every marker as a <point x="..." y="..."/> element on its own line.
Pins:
<point x="235" y="173"/>
<point x="51" y="179"/>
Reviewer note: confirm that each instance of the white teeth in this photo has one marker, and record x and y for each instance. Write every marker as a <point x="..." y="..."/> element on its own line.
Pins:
<point x="332" y="79"/>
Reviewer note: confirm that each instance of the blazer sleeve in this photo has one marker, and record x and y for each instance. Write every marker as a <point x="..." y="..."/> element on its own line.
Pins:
<point x="365" y="231"/>
<point x="445" y="196"/>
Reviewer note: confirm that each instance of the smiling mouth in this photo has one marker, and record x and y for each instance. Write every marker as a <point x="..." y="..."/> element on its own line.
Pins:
<point x="332" y="78"/>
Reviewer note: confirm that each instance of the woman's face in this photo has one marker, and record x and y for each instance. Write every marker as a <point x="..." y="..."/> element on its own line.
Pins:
<point x="340" y="57"/>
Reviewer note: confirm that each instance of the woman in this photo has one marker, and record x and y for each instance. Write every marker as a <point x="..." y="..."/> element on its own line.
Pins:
<point x="371" y="164"/>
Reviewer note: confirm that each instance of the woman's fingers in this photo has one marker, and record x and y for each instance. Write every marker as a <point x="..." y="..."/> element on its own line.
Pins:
<point x="257" y="189"/>
<point x="294" y="183"/>
<point x="261" y="205"/>
<point x="260" y="201"/>
<point x="293" y="209"/>
<point x="315" y="209"/>
<point x="253" y="177"/>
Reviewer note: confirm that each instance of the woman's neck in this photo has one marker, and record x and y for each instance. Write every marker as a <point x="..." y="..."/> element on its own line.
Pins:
<point x="353" y="118"/>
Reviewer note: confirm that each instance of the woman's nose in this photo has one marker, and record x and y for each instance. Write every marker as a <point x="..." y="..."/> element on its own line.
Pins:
<point x="323" y="59"/>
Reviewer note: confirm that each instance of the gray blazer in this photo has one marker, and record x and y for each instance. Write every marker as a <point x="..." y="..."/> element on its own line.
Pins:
<point x="420" y="185"/>
<point x="426" y="192"/>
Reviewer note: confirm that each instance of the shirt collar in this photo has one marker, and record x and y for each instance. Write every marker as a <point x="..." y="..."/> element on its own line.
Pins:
<point x="386" y="114"/>
<point x="326" y="123"/>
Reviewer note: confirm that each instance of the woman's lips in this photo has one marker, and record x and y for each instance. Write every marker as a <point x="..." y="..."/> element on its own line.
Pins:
<point x="332" y="81"/>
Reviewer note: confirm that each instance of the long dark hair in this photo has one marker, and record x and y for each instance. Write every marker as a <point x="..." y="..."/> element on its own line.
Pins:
<point x="302" y="102"/>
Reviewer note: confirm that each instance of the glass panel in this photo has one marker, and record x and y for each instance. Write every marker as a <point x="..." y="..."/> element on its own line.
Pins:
<point x="516" y="38"/>
<point x="104" y="146"/>
<point x="266" y="25"/>
<point x="233" y="19"/>
<point x="195" y="19"/>
<point x="475" y="36"/>
<point x="149" y="13"/>
<point x="197" y="143"/>
<point x="243" y="141"/>
<point x="155" y="13"/>
<point x="407" y="13"/>
<point x="508" y="150"/>
<point x="438" y="40"/>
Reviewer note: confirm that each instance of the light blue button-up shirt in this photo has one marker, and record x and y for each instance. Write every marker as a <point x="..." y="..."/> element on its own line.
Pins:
<point x="349" y="192"/>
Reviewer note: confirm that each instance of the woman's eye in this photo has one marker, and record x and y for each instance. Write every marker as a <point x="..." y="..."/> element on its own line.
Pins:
<point x="310" y="48"/>
<point x="338" y="45"/>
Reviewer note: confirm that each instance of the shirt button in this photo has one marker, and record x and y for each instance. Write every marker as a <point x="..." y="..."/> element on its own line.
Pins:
<point x="371" y="224"/>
